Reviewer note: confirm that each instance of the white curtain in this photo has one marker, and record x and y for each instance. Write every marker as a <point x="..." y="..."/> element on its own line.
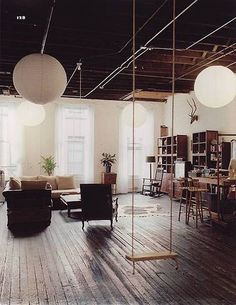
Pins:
<point x="143" y="146"/>
<point x="11" y="138"/>
<point x="75" y="141"/>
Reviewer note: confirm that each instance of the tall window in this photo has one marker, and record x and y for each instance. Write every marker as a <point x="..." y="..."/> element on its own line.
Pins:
<point x="138" y="152"/>
<point x="74" y="141"/>
<point x="10" y="140"/>
<point x="143" y="146"/>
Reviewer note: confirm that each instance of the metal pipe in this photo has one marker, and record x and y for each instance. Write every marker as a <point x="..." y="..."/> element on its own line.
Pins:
<point x="168" y="24"/>
<point x="209" y="62"/>
<point x="116" y="71"/>
<point x="145" y="23"/>
<point x="143" y="47"/>
<point x="193" y="44"/>
<point x="125" y="67"/>
<point x="47" y="28"/>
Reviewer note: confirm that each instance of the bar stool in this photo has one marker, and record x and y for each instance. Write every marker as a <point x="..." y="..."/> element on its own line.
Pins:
<point x="183" y="197"/>
<point x="195" y="201"/>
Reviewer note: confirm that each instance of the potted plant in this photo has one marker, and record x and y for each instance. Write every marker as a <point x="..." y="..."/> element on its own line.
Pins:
<point x="48" y="164"/>
<point x="107" y="161"/>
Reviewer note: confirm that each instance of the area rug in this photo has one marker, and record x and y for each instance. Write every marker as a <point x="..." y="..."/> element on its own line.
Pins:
<point x="139" y="211"/>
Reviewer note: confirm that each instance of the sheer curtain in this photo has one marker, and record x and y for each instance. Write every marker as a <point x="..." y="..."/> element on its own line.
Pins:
<point x="75" y="141"/>
<point x="11" y="138"/>
<point x="143" y="146"/>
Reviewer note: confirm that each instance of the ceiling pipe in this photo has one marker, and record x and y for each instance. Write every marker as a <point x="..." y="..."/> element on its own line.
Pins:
<point x="47" y="28"/>
<point x="202" y="64"/>
<point x="168" y="24"/>
<point x="153" y="48"/>
<point x="219" y="28"/>
<point x="120" y="68"/>
<point x="125" y="67"/>
<point x="145" y="23"/>
<point x="115" y="72"/>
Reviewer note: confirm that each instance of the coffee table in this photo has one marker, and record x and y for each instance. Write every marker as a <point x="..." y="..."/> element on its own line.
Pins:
<point x="72" y="201"/>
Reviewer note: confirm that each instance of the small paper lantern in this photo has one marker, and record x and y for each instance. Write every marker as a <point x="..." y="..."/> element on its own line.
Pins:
<point x="39" y="78"/>
<point x="140" y="115"/>
<point x="30" y="114"/>
<point x="215" y="86"/>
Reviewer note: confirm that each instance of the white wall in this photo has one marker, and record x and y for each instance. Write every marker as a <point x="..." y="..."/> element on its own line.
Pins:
<point x="39" y="140"/>
<point x="221" y="119"/>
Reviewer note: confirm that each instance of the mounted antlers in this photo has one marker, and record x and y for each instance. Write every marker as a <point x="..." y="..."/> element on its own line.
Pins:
<point x="193" y="107"/>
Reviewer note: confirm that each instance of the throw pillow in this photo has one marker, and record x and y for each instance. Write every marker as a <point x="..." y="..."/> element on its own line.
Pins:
<point x="33" y="185"/>
<point x="65" y="182"/>
<point x="50" y="179"/>
<point x="14" y="184"/>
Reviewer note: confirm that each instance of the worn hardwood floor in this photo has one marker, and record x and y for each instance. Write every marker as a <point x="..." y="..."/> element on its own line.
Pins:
<point x="64" y="265"/>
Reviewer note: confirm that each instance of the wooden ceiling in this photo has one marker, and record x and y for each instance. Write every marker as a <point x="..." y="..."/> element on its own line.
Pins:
<point x="97" y="33"/>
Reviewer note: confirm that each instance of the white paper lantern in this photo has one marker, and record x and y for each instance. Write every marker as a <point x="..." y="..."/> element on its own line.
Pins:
<point x="215" y="86"/>
<point x="30" y="114"/>
<point x="39" y="78"/>
<point x="140" y="115"/>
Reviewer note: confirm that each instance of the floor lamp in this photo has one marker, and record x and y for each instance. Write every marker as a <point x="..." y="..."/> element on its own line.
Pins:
<point x="150" y="159"/>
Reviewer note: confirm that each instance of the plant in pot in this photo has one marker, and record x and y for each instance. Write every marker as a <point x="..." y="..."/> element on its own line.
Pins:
<point x="48" y="164"/>
<point x="107" y="161"/>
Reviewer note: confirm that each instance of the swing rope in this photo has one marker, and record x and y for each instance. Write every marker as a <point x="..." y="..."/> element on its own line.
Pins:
<point x="172" y="124"/>
<point x="133" y="112"/>
<point x="165" y="254"/>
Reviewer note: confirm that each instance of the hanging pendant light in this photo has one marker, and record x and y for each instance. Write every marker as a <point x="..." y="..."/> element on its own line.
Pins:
<point x="30" y="114"/>
<point x="215" y="86"/>
<point x="140" y="115"/>
<point x="39" y="78"/>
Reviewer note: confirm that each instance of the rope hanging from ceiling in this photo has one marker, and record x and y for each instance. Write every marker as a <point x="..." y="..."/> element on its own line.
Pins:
<point x="167" y="254"/>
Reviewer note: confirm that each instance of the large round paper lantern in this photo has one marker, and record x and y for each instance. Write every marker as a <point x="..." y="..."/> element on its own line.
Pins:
<point x="39" y="78"/>
<point x="140" y="115"/>
<point x="30" y="114"/>
<point x="215" y="86"/>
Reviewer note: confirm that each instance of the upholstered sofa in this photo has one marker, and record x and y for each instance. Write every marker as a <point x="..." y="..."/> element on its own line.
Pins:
<point x="58" y="185"/>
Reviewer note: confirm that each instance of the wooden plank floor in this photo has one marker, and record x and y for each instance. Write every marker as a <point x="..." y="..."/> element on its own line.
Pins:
<point x="64" y="265"/>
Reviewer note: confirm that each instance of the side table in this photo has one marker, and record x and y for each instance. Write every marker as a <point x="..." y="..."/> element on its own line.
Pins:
<point x="109" y="178"/>
<point x="71" y="201"/>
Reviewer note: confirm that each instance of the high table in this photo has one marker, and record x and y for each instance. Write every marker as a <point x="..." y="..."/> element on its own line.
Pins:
<point x="224" y="194"/>
<point x="212" y="180"/>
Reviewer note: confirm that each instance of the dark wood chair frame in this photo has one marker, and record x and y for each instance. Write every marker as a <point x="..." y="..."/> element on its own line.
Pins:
<point x="97" y="203"/>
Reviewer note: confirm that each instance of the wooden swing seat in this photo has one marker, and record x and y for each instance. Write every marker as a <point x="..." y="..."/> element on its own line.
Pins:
<point x="152" y="256"/>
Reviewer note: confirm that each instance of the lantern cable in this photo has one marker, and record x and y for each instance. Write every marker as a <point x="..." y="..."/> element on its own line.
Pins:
<point x="47" y="28"/>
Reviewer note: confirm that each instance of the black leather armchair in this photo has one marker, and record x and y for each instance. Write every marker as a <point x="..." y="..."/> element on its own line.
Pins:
<point x="97" y="203"/>
<point x="28" y="207"/>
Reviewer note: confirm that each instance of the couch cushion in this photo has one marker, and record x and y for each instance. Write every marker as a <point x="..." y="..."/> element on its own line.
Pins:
<point x="65" y="182"/>
<point x="57" y="193"/>
<point x="28" y="178"/>
<point x="14" y="183"/>
<point x="33" y="185"/>
<point x="50" y="179"/>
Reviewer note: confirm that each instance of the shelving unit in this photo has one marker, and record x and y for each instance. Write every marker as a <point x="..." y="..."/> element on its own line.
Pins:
<point x="180" y="150"/>
<point x="224" y="154"/>
<point x="204" y="149"/>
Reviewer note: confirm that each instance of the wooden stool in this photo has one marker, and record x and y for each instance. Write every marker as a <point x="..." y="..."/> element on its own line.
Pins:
<point x="183" y="197"/>
<point x="195" y="200"/>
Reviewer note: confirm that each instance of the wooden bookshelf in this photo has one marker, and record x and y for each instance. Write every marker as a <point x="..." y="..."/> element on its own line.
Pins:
<point x="204" y="149"/>
<point x="180" y="150"/>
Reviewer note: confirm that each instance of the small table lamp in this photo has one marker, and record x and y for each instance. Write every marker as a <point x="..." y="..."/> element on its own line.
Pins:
<point x="150" y="159"/>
